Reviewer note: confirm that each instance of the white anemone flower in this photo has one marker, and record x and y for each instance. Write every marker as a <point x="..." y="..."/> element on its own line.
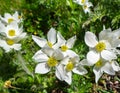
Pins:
<point x="12" y="31"/>
<point x="47" y="58"/>
<point x="50" y="42"/>
<point x="86" y="7"/>
<point x="105" y="67"/>
<point x="66" y="45"/>
<point x="8" y="18"/>
<point x="112" y="36"/>
<point x="80" y="2"/>
<point x="67" y="66"/>
<point x="8" y="45"/>
<point x="101" y="48"/>
<point x="102" y="66"/>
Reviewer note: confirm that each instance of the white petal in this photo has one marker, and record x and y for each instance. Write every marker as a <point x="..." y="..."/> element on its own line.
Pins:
<point x="68" y="77"/>
<point x="80" y="70"/>
<point x="60" y="41"/>
<point x="58" y="55"/>
<point x="98" y="74"/>
<point x="116" y="33"/>
<point x="22" y="35"/>
<point x="105" y="34"/>
<point x="42" y="68"/>
<point x="107" y="68"/>
<point x="108" y="55"/>
<point x="60" y="73"/>
<point x="16" y="46"/>
<point x="65" y="60"/>
<point x="4" y="45"/>
<point x="71" y="41"/>
<point x="7" y="15"/>
<point x="48" y="51"/>
<point x="115" y="66"/>
<point x="75" y="59"/>
<point x="90" y="39"/>
<point x="93" y="57"/>
<point x="70" y="53"/>
<point x="39" y="56"/>
<point x="85" y="62"/>
<point x="40" y="41"/>
<point x="52" y="35"/>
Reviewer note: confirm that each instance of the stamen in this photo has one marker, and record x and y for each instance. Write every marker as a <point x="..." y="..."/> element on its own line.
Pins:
<point x="64" y="48"/>
<point x="100" y="46"/>
<point x="99" y="63"/>
<point x="11" y="32"/>
<point x="50" y="44"/>
<point x="82" y="1"/>
<point x="10" y="20"/>
<point x="84" y="6"/>
<point x="19" y="17"/>
<point x="69" y="66"/>
<point x="10" y="42"/>
<point x="52" y="62"/>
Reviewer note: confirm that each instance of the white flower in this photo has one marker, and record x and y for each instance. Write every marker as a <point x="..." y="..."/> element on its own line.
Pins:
<point x="11" y="35"/>
<point x="80" y="2"/>
<point x="67" y="66"/>
<point x="86" y="7"/>
<point x="102" y="66"/>
<point x="12" y="31"/>
<point x="101" y="48"/>
<point x="8" y="18"/>
<point x="8" y="45"/>
<point x="66" y="45"/>
<point x="47" y="58"/>
<point x="112" y="37"/>
<point x="50" y="42"/>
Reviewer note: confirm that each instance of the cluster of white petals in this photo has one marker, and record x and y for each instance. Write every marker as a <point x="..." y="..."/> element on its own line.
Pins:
<point x="56" y="54"/>
<point x="102" y="52"/>
<point x="11" y="31"/>
<point x="85" y="5"/>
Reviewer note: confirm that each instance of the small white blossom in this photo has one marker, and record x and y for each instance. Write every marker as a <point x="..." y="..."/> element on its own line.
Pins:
<point x="8" y="18"/>
<point x="101" y="48"/>
<point x="12" y="31"/>
<point x="8" y="45"/>
<point x="66" y="45"/>
<point x="47" y="58"/>
<point x="50" y="42"/>
<point x="67" y="66"/>
<point x="86" y="7"/>
<point x="80" y="2"/>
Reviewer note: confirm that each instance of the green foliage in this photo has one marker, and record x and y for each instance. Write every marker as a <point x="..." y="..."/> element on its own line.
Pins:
<point x="66" y="17"/>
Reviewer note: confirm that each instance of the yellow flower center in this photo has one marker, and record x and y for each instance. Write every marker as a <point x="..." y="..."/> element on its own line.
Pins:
<point x="19" y="17"/>
<point x="99" y="63"/>
<point x="49" y="44"/>
<point x="52" y="62"/>
<point x="82" y="1"/>
<point x="64" y="48"/>
<point x="84" y="6"/>
<point x="69" y="66"/>
<point x="100" y="46"/>
<point x="11" y="32"/>
<point x="10" y="42"/>
<point x="10" y="20"/>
